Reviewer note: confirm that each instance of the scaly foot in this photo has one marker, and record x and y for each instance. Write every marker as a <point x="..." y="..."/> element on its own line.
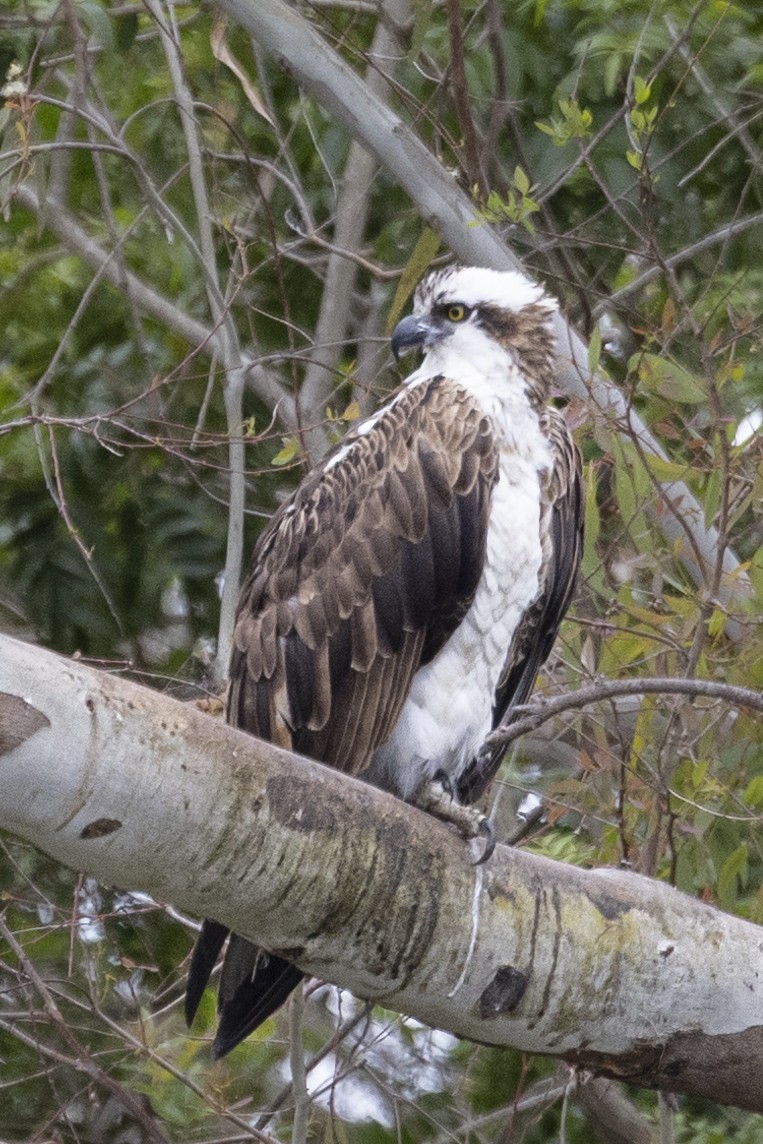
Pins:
<point x="436" y="797"/>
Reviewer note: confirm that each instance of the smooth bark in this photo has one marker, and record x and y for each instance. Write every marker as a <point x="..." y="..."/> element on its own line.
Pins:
<point x="609" y="970"/>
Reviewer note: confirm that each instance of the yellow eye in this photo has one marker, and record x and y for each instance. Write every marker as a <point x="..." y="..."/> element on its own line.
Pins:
<point x="456" y="312"/>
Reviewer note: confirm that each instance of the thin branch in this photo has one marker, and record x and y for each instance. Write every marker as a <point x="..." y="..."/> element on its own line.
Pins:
<point x="80" y="1059"/>
<point x="338" y="1037"/>
<point x="714" y="95"/>
<point x="171" y="221"/>
<point x="352" y="207"/>
<point x="198" y="335"/>
<point x="298" y="1070"/>
<point x="462" y="101"/>
<point x="226" y="338"/>
<point x="534" y="715"/>
<point x="76" y="239"/>
<point x="299" y="48"/>
<point x="181" y="1075"/>
<point x="715" y="238"/>
<point x="57" y="493"/>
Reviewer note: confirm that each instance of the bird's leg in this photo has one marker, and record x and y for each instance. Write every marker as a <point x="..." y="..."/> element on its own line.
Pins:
<point x="437" y="796"/>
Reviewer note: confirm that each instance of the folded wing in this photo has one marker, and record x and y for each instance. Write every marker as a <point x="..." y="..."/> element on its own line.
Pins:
<point x="358" y="580"/>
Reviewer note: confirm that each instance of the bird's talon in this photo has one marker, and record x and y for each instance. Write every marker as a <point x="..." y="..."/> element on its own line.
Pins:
<point x="486" y="829"/>
<point x="446" y="782"/>
<point x="435" y="798"/>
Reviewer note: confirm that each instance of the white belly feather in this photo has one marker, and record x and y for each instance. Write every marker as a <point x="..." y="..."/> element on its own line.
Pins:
<point x="449" y="708"/>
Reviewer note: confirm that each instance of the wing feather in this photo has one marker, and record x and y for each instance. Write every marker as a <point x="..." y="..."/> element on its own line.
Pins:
<point x="359" y="579"/>
<point x="405" y="507"/>
<point x="347" y="736"/>
<point x="418" y="573"/>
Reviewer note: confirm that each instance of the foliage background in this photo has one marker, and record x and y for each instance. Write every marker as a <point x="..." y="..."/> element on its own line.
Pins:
<point x="162" y="303"/>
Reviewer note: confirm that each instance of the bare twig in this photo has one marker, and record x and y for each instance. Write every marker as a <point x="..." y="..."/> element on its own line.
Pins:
<point x="300" y="48"/>
<point x="352" y="206"/>
<point x="715" y="97"/>
<point x="80" y="1058"/>
<point x="227" y="344"/>
<point x="461" y="101"/>
<point x="715" y="238"/>
<point x="534" y="715"/>
<point x="298" y="1070"/>
<point x="339" y="1036"/>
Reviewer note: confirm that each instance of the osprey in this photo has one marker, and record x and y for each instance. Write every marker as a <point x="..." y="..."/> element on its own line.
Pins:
<point x="402" y="601"/>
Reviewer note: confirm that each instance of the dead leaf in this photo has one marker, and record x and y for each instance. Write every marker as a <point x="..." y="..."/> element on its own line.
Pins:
<point x="222" y="52"/>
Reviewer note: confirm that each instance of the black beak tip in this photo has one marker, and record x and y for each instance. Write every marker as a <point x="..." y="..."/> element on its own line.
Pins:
<point x="409" y="334"/>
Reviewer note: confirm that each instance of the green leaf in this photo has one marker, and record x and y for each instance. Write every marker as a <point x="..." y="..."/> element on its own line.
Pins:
<point x="753" y="795"/>
<point x="289" y="451"/>
<point x="593" y="570"/>
<point x="352" y="412"/>
<point x="422" y="20"/>
<point x="641" y="90"/>
<point x="594" y="350"/>
<point x="716" y="625"/>
<point x="732" y="872"/>
<point x="638" y="119"/>
<point x="712" y="497"/>
<point x="633" y="488"/>
<point x="664" y="470"/>
<point x="126" y="28"/>
<point x="521" y="181"/>
<point x="575" y="123"/>
<point x="98" y="23"/>
<point x="423" y="252"/>
<point x="669" y="379"/>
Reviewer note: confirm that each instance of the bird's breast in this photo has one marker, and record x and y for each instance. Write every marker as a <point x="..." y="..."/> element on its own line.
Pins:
<point x="449" y="708"/>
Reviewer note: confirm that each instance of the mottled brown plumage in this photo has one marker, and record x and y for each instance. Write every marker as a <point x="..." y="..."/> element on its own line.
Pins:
<point x="402" y="601"/>
<point x="365" y="568"/>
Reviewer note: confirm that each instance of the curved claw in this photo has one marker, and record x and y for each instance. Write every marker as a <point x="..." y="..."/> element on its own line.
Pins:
<point x="446" y="782"/>
<point x="487" y="829"/>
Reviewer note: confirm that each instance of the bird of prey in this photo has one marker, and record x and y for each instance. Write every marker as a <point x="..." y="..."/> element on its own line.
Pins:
<point x="403" y="599"/>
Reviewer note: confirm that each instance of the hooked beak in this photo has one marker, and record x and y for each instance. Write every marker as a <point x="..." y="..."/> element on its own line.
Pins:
<point x="413" y="333"/>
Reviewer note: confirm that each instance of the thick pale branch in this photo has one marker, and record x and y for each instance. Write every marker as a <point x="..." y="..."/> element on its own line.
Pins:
<point x="607" y="969"/>
<point x="300" y="49"/>
<point x="353" y="202"/>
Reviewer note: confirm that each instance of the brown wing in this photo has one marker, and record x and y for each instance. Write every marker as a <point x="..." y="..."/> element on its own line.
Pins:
<point x="562" y="542"/>
<point x="358" y="579"/>
<point x="362" y="576"/>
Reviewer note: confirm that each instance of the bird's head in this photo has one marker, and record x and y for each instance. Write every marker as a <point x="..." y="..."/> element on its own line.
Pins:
<point x="473" y="313"/>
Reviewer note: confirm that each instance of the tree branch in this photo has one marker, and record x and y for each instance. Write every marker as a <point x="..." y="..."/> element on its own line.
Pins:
<point x="352" y="206"/>
<point x="198" y="335"/>
<point x="534" y="715"/>
<point x="611" y="971"/>
<point x="724" y="233"/>
<point x="299" y="48"/>
<point x="226" y="338"/>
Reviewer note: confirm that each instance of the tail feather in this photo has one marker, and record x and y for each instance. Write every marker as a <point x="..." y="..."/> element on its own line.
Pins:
<point x="205" y="954"/>
<point x="253" y="985"/>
